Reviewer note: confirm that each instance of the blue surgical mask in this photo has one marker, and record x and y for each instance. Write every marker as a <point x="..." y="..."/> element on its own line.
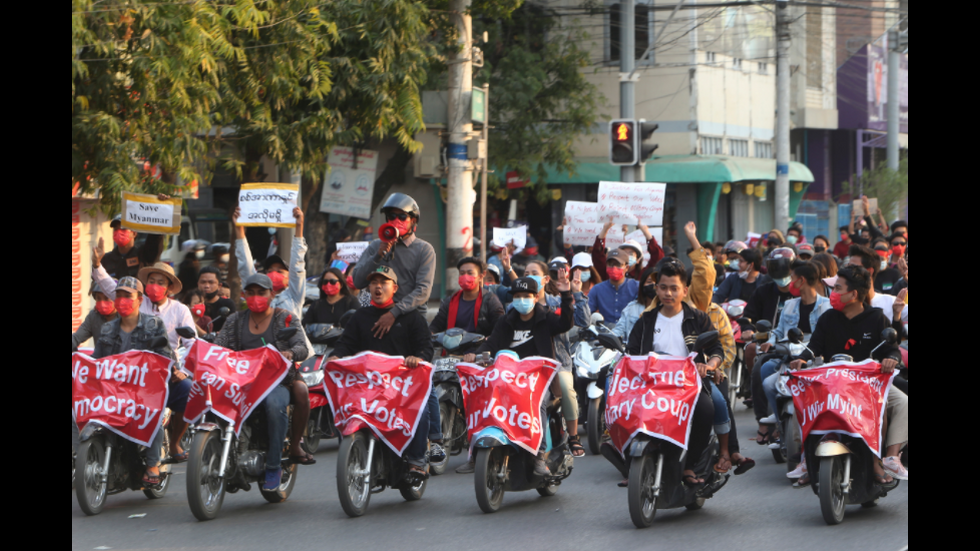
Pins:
<point x="735" y="265"/>
<point x="632" y="261"/>
<point x="524" y="306"/>
<point x="792" y="239"/>
<point x="539" y="280"/>
<point x="586" y="276"/>
<point x="783" y="283"/>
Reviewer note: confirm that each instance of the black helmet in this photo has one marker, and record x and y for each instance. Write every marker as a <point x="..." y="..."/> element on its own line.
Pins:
<point x="780" y="263"/>
<point x="402" y="202"/>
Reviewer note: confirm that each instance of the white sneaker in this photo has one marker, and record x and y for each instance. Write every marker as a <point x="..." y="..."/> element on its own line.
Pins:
<point x="799" y="473"/>
<point x="895" y="469"/>
<point x="771" y="420"/>
<point x="777" y="445"/>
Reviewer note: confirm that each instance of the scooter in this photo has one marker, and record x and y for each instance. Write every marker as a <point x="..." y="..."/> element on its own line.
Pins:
<point x="841" y="466"/>
<point x="655" y="467"/>
<point x="502" y="466"/>
<point x="740" y="379"/>
<point x="324" y="338"/>
<point x="592" y="364"/>
<point x="790" y="445"/>
<point x="455" y="344"/>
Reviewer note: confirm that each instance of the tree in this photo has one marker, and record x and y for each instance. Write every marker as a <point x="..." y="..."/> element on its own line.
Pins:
<point x="890" y="187"/>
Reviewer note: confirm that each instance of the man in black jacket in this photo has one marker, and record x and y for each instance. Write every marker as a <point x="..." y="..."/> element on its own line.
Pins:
<point x="125" y="259"/>
<point x="470" y="309"/>
<point x="410" y="338"/>
<point x="673" y="328"/>
<point x="854" y="328"/>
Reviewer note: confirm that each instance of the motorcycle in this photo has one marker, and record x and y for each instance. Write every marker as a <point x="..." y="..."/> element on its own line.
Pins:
<point x="740" y="380"/>
<point x="324" y="338"/>
<point x="789" y="448"/>
<point x="655" y="467"/>
<point x="841" y="466"/>
<point x="455" y="344"/>
<point x="502" y="466"/>
<point x="107" y="464"/>
<point x="221" y="462"/>
<point x="592" y="364"/>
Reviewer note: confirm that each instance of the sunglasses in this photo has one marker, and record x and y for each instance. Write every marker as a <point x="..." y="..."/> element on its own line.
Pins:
<point x="329" y="282"/>
<point x="900" y="244"/>
<point x="401" y="217"/>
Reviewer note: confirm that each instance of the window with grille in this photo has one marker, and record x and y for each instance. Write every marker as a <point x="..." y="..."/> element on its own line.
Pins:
<point x="763" y="150"/>
<point x="712" y="146"/>
<point x="739" y="148"/>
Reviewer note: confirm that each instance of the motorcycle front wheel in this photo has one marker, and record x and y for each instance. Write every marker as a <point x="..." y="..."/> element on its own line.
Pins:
<point x="831" y="491"/>
<point x="488" y="480"/>
<point x="353" y="487"/>
<point x="90" y="489"/>
<point x="597" y="426"/>
<point x="205" y="489"/>
<point x="643" y="504"/>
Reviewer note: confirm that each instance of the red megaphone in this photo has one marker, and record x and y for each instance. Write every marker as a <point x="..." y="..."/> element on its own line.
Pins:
<point x="388" y="233"/>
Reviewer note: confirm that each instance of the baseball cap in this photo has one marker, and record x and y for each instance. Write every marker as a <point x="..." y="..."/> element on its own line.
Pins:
<point x="830" y="282"/>
<point x="618" y="256"/>
<point x="116" y="222"/>
<point x="493" y="268"/>
<point x="274" y="259"/>
<point x="559" y="259"/>
<point x="806" y="248"/>
<point x="632" y="245"/>
<point x="582" y="260"/>
<point x="385" y="272"/>
<point x="524" y="285"/>
<point x="130" y="284"/>
<point x="258" y="280"/>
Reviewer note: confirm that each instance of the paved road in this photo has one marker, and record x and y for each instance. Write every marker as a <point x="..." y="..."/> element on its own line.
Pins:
<point x="755" y="512"/>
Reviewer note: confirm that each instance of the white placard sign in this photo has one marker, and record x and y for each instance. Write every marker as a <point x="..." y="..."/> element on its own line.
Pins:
<point x="629" y="202"/>
<point x="348" y="191"/>
<point x="148" y="214"/>
<point x="503" y="236"/>
<point x="267" y="205"/>
<point x="351" y="252"/>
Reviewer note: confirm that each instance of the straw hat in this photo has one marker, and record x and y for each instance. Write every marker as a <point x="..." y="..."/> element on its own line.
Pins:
<point x="164" y="269"/>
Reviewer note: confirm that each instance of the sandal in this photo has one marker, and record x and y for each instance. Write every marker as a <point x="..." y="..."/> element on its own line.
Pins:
<point x="575" y="444"/>
<point x="304" y="460"/>
<point x="151" y="481"/>
<point x="179" y="458"/>
<point x="765" y="438"/>
<point x="744" y="466"/>
<point x="802" y="483"/>
<point x="723" y="471"/>
<point x="624" y="484"/>
<point x="882" y="480"/>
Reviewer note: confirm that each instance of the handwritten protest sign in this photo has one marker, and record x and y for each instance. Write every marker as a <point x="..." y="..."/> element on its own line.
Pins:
<point x="351" y="252"/>
<point x="148" y="214"/>
<point x="503" y="236"/>
<point x="267" y="205"/>
<point x="858" y="207"/>
<point x="627" y="203"/>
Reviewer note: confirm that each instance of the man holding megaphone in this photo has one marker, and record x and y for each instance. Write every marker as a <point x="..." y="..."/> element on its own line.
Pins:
<point x="412" y="259"/>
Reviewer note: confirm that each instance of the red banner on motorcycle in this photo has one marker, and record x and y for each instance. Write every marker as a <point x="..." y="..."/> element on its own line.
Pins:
<point x="508" y="397"/>
<point x="126" y="393"/>
<point x="655" y="396"/>
<point x="378" y="392"/>
<point x="231" y="384"/>
<point x="843" y="398"/>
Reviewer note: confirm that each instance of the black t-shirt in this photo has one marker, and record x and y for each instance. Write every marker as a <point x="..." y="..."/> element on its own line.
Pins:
<point x="465" y="315"/>
<point x="805" y="312"/>
<point x="885" y="281"/>
<point x="748" y="289"/>
<point x="523" y="340"/>
<point x="323" y="312"/>
<point x="211" y="311"/>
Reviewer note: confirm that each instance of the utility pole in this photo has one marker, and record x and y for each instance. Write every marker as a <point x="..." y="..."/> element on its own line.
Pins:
<point x="459" y="207"/>
<point x="627" y="64"/>
<point x="784" y="39"/>
<point x="894" y="113"/>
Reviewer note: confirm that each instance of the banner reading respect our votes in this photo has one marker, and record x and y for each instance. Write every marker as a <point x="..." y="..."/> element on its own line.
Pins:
<point x="652" y="395"/>
<point x="378" y="392"/>
<point x="843" y="398"/>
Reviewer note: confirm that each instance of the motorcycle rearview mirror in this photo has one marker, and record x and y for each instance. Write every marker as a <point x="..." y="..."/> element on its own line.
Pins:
<point x="224" y="312"/>
<point x="890" y="336"/>
<point x="159" y="342"/>
<point x="186" y="333"/>
<point x="612" y="342"/>
<point x="345" y="319"/>
<point x="763" y="326"/>
<point x="795" y="336"/>
<point x="597" y="319"/>
<point x="705" y="340"/>
<point x="288" y="333"/>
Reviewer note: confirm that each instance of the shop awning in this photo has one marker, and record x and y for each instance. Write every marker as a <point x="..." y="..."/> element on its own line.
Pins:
<point x="687" y="169"/>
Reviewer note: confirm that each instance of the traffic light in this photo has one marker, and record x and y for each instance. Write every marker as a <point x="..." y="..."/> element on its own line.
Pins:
<point x="623" y="143"/>
<point x="646" y="132"/>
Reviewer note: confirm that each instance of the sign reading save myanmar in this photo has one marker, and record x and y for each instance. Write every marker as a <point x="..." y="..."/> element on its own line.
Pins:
<point x="378" y="392"/>
<point x="125" y="393"/>
<point x="843" y="398"/>
<point x="148" y="214"/>
<point x="508" y="396"/>
<point x="230" y="384"/>
<point x="652" y="395"/>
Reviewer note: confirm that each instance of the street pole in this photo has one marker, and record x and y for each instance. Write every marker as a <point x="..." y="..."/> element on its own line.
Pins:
<point x="782" y="115"/>
<point x="894" y="127"/>
<point x="627" y="63"/>
<point x="483" y="180"/>
<point x="459" y="207"/>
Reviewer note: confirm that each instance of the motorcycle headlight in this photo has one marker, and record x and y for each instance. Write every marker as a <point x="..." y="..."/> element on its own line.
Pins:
<point x="313" y="379"/>
<point x="583" y="373"/>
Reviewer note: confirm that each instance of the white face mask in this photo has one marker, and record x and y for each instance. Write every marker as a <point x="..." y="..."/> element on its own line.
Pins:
<point x="743" y="275"/>
<point x="884" y="264"/>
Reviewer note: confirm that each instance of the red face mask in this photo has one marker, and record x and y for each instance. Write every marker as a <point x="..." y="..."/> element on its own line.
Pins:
<point x="197" y="310"/>
<point x="279" y="282"/>
<point x="385" y="306"/>
<point x="794" y="290"/>
<point x="404" y="228"/>
<point x="258" y="305"/>
<point x="331" y="289"/>
<point x="882" y="254"/>
<point x="616" y="274"/>
<point x="156" y="293"/>
<point x="898" y="250"/>
<point x="105" y="307"/>
<point x="531" y="252"/>
<point x="125" y="306"/>
<point x="350" y="281"/>
<point x="837" y="302"/>
<point x="467" y="283"/>
<point x="122" y="238"/>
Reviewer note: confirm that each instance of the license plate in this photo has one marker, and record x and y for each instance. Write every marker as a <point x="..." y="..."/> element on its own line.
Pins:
<point x="446" y="364"/>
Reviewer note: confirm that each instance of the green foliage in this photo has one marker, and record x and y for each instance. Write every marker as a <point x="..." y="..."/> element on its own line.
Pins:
<point x="889" y="186"/>
<point x="540" y="100"/>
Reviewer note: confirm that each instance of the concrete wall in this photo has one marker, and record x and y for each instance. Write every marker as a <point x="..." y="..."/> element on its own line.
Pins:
<point x="86" y="229"/>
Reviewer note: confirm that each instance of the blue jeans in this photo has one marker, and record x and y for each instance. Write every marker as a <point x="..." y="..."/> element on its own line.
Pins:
<point x="435" y="418"/>
<point x="770" y="377"/>
<point x="176" y="403"/>
<point x="417" y="448"/>
<point x="276" y="406"/>
<point x="723" y="423"/>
